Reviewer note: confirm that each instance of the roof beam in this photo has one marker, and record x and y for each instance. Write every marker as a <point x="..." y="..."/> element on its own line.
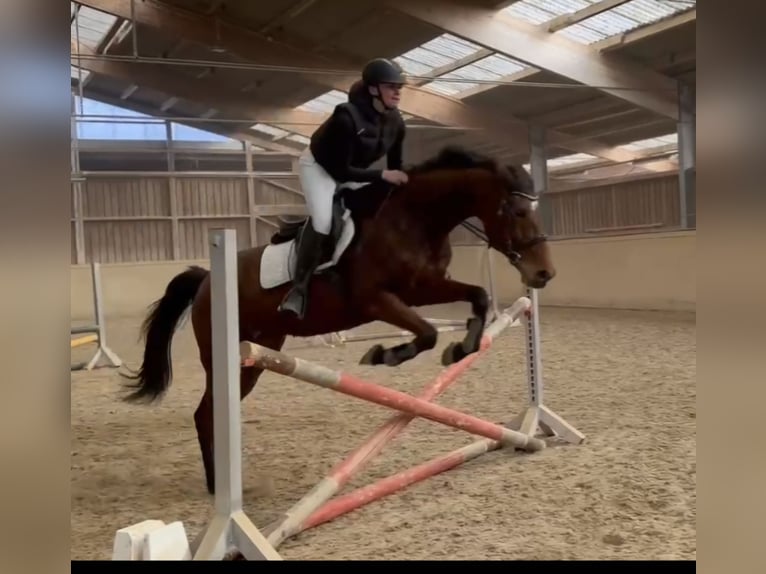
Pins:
<point x="456" y="65"/>
<point x="644" y="32"/>
<point x="235" y="134"/>
<point x="126" y="73"/>
<point x="561" y="22"/>
<point x="644" y="155"/>
<point x="176" y="85"/>
<point x="538" y="48"/>
<point x="248" y="44"/>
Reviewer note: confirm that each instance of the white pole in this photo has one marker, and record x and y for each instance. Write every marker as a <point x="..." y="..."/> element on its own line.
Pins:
<point x="230" y="526"/>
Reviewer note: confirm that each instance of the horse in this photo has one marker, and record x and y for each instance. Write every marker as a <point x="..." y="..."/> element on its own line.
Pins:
<point x="397" y="259"/>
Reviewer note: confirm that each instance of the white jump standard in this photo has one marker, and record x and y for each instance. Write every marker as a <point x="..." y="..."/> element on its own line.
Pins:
<point x="97" y="330"/>
<point x="230" y="526"/>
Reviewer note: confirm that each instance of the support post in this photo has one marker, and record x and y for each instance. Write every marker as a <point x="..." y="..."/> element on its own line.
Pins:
<point x="687" y="156"/>
<point x="77" y="186"/>
<point x="537" y="417"/>
<point x="229" y="526"/>
<point x="99" y="327"/>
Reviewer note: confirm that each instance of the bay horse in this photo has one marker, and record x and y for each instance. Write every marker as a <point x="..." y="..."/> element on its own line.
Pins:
<point x="397" y="259"/>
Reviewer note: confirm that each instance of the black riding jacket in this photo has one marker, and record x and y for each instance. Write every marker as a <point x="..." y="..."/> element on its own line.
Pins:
<point x="346" y="150"/>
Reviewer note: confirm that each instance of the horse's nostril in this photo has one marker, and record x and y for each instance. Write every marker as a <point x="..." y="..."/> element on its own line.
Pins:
<point x="543" y="275"/>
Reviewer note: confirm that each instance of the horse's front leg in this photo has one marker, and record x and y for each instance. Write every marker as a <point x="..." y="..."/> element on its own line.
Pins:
<point x="440" y="290"/>
<point x="387" y="307"/>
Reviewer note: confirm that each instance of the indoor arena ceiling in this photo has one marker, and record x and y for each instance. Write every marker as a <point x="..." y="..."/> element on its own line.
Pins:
<point x="601" y="75"/>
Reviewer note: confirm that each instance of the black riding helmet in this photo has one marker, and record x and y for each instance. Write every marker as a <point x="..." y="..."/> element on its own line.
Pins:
<point x="382" y="71"/>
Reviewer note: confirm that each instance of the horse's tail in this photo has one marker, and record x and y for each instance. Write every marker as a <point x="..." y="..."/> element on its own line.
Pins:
<point x="153" y="378"/>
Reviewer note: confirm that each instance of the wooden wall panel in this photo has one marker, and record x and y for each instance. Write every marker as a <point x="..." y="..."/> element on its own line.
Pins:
<point x="122" y="241"/>
<point x="130" y="219"/>
<point x="126" y="197"/>
<point x="194" y="235"/>
<point x="278" y="191"/>
<point x="209" y="196"/>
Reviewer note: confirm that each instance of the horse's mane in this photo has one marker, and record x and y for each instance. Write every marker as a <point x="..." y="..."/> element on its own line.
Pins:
<point x="454" y="157"/>
<point x="457" y="157"/>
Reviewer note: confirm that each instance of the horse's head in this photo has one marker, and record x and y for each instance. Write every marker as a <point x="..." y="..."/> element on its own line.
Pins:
<point x="503" y="198"/>
<point x="507" y="207"/>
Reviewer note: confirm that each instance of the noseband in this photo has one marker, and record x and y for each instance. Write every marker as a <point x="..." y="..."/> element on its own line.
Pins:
<point x="514" y="254"/>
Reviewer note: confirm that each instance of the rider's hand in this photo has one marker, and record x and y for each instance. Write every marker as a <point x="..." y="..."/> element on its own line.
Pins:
<point x="394" y="176"/>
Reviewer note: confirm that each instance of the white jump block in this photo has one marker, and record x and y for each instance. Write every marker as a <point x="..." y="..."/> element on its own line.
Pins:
<point x="152" y="540"/>
<point x="167" y="543"/>
<point x="129" y="541"/>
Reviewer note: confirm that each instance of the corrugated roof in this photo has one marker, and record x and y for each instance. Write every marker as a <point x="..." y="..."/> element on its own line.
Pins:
<point x="650" y="143"/>
<point x="541" y="11"/>
<point x="618" y="20"/>
<point x="325" y="103"/>
<point x="440" y="51"/>
<point x="269" y="130"/>
<point x="570" y="159"/>
<point x="491" y="67"/>
<point x="622" y="19"/>
<point x="93" y="25"/>
<point x="76" y="72"/>
<point x="299" y="138"/>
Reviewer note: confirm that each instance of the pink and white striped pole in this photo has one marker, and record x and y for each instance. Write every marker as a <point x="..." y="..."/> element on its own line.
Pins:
<point x="377" y="490"/>
<point x="295" y="519"/>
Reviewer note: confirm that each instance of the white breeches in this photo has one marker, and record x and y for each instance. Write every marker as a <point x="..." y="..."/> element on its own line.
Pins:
<point x="318" y="188"/>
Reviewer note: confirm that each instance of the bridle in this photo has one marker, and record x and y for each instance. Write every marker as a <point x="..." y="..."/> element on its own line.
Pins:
<point x="513" y="253"/>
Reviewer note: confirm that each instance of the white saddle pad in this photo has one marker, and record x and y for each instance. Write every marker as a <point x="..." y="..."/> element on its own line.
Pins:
<point x="278" y="261"/>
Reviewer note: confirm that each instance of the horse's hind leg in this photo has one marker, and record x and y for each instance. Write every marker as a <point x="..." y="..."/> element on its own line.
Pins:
<point x="203" y="416"/>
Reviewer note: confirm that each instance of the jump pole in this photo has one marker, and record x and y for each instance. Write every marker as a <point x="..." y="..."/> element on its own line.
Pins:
<point x="301" y="515"/>
<point x="536" y="419"/>
<point x="255" y="355"/>
<point x="229" y="526"/>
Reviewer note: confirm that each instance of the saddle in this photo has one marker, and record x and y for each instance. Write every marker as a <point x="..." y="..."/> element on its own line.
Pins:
<point x="290" y="230"/>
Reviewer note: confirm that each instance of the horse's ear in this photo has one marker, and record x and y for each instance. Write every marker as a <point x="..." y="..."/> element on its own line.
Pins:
<point x="520" y="178"/>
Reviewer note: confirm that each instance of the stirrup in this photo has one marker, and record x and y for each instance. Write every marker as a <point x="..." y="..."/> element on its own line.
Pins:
<point x="294" y="302"/>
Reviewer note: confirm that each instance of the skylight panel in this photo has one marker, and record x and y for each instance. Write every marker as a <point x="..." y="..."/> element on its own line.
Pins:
<point x="492" y="67"/>
<point x="624" y="18"/>
<point x="325" y="103"/>
<point x="269" y="130"/>
<point x="76" y="72"/>
<point x="541" y="11"/>
<point x="299" y="138"/>
<point x="566" y="160"/>
<point x="440" y="51"/>
<point x="93" y="26"/>
<point x="652" y="143"/>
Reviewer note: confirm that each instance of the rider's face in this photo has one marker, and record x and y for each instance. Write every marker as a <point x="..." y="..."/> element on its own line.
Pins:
<point x="390" y="94"/>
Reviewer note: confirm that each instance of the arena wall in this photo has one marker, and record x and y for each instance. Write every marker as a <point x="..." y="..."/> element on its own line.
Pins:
<point x="651" y="271"/>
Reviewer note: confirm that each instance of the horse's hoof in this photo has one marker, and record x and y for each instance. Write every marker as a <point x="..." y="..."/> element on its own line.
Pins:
<point x="374" y="356"/>
<point x="391" y="359"/>
<point x="452" y="354"/>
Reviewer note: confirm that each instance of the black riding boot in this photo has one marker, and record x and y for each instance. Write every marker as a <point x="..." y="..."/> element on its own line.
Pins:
<point x="309" y="255"/>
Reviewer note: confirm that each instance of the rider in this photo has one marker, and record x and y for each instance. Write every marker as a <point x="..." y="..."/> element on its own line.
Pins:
<point x="357" y="134"/>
